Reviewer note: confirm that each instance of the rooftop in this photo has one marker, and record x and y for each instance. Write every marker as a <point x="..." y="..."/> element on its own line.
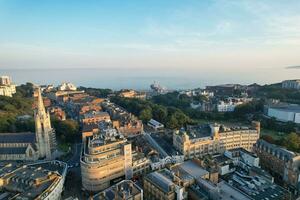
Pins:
<point x="163" y="179"/>
<point x="12" y="150"/>
<point x="288" y="108"/>
<point x="89" y="127"/>
<point x="165" y="143"/>
<point x="256" y="187"/>
<point x="32" y="180"/>
<point x="205" y="130"/>
<point x="199" y="131"/>
<point x="155" y="123"/>
<point x="95" y="113"/>
<point x="284" y="153"/>
<point x="123" y="190"/>
<point x="193" y="169"/>
<point x="237" y="152"/>
<point x="24" y="137"/>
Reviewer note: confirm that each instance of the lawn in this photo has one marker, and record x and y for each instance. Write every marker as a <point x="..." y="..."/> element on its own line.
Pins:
<point x="275" y="134"/>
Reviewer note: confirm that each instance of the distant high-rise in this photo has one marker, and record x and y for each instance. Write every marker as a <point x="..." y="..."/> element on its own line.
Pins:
<point x="6" y="87"/>
<point x="5" y="80"/>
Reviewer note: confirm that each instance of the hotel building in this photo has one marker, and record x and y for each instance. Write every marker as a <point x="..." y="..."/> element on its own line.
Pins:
<point x="198" y="141"/>
<point x="105" y="160"/>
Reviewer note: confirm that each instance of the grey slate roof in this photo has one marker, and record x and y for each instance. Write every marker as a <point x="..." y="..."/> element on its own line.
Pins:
<point x="283" y="153"/>
<point x="25" y="137"/>
<point x="13" y="150"/>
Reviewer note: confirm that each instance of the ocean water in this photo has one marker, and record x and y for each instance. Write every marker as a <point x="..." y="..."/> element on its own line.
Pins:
<point x="141" y="79"/>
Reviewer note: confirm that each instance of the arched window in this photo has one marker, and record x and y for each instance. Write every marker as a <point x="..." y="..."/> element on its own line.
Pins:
<point x="30" y="153"/>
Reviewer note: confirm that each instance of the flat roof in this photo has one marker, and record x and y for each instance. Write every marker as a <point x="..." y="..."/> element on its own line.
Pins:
<point x="199" y="131"/>
<point x="290" y="108"/>
<point x="193" y="169"/>
<point x="256" y="187"/>
<point x="161" y="179"/>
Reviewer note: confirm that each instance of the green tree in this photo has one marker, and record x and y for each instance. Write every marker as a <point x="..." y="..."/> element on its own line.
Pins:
<point x="97" y="92"/>
<point x="292" y="142"/>
<point x="67" y="131"/>
<point x="172" y="122"/>
<point x="146" y="114"/>
<point x="160" y="113"/>
<point x="25" y="125"/>
<point x="200" y="98"/>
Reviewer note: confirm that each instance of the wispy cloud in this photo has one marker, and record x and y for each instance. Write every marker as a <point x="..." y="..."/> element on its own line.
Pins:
<point x="293" y="67"/>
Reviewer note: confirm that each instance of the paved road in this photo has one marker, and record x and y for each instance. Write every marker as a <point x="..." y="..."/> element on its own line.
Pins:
<point x="76" y="154"/>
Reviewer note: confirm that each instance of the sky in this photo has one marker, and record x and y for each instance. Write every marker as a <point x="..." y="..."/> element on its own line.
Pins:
<point x="192" y="35"/>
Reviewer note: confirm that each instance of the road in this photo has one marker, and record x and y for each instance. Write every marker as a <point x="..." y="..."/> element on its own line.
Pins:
<point x="75" y="159"/>
<point x="73" y="180"/>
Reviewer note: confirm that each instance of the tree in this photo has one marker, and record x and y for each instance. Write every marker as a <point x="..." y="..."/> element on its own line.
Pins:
<point x="292" y="142"/>
<point x="160" y="113"/>
<point x="146" y="114"/>
<point x="25" y="125"/>
<point x="25" y="90"/>
<point x="97" y="92"/>
<point x="268" y="138"/>
<point x="181" y="118"/>
<point x="172" y="122"/>
<point x="200" y="98"/>
<point x="67" y="131"/>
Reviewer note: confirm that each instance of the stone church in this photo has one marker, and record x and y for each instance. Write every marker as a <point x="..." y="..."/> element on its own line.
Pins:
<point x="27" y="145"/>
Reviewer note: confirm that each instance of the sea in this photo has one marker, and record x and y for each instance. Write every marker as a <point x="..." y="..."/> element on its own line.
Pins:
<point x="141" y="79"/>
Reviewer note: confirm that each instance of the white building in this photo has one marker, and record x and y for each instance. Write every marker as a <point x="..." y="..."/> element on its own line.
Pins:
<point x="285" y="113"/>
<point x="5" y="80"/>
<point x="6" y="87"/>
<point x="242" y="157"/>
<point x="226" y="107"/>
<point x="206" y="93"/>
<point x="230" y="104"/>
<point x="291" y="84"/>
<point x="67" y="86"/>
<point x="155" y="124"/>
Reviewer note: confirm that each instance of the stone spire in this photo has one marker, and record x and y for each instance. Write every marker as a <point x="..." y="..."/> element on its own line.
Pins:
<point x="40" y="104"/>
<point x="45" y="135"/>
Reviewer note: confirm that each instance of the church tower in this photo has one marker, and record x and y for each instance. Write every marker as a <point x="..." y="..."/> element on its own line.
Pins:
<point x="45" y="135"/>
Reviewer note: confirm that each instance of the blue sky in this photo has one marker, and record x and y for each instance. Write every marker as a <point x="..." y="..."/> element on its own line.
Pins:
<point x="195" y="35"/>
